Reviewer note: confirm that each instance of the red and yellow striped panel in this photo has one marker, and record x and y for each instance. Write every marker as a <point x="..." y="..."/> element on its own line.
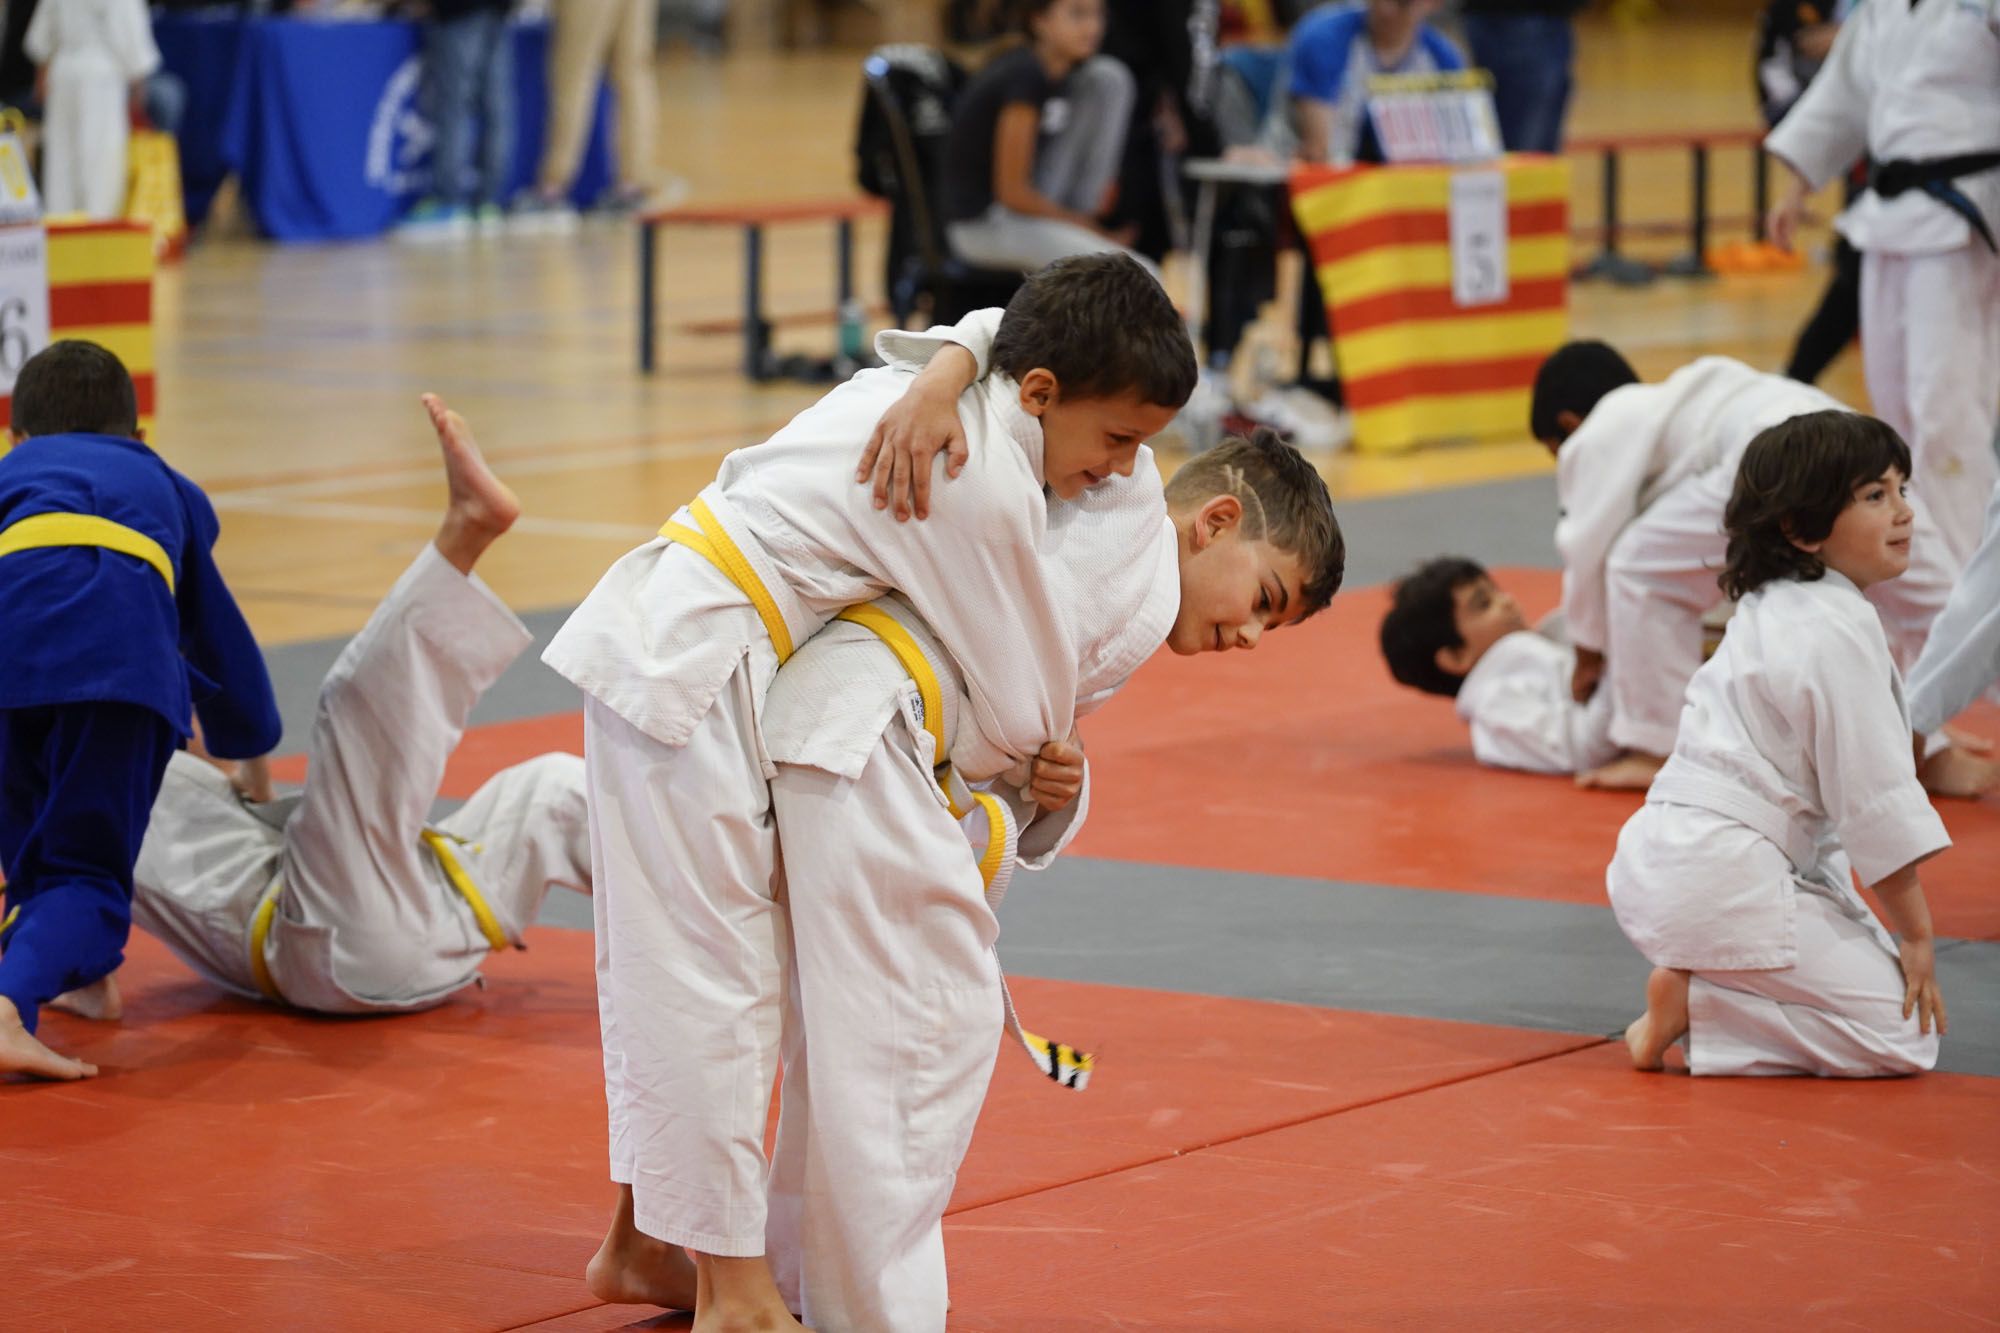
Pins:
<point x="101" y="290"/>
<point x="1417" y="366"/>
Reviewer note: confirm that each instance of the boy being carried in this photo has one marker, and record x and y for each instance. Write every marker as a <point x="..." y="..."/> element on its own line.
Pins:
<point x="1452" y="631"/>
<point x="1643" y="473"/>
<point x="675" y="650"/>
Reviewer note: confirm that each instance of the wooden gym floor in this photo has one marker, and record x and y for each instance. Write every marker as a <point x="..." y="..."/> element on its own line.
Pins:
<point x="1352" y="993"/>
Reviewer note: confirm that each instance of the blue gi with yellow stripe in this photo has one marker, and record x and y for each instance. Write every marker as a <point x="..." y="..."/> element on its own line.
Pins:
<point x="115" y="628"/>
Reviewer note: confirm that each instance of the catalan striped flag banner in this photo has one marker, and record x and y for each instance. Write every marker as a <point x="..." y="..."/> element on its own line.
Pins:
<point x="101" y="290"/>
<point x="1445" y="288"/>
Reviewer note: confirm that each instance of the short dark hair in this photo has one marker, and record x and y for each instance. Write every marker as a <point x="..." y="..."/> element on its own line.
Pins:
<point x="1794" y="480"/>
<point x="1574" y="377"/>
<point x="1285" y="502"/>
<point x="1024" y="12"/>
<point x="1103" y="326"/>
<point x="1422" y="620"/>
<point x="74" y="387"/>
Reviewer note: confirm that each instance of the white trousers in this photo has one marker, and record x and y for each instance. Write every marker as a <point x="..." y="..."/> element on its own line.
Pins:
<point x="368" y="920"/>
<point x="1962" y="656"/>
<point x="691" y="950"/>
<point x="1660" y="579"/>
<point x="890" y="1040"/>
<point x="84" y="129"/>
<point x="1837" y="1013"/>
<point x="1930" y="347"/>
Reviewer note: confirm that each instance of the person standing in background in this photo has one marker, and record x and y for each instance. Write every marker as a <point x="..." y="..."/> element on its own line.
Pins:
<point x="468" y="74"/>
<point x="588" y="36"/>
<point x="92" y="57"/>
<point x="1528" y="46"/>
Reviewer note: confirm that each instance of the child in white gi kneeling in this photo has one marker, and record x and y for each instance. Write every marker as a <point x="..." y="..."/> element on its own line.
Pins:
<point x="1793" y="769"/>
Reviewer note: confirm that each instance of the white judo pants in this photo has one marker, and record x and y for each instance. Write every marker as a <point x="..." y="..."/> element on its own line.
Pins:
<point x="1660" y="579"/>
<point x="361" y="890"/>
<point x="1930" y="347"/>
<point x="891" y="1037"/>
<point x="691" y="950"/>
<point x="1837" y="1013"/>
<point x="84" y="129"/>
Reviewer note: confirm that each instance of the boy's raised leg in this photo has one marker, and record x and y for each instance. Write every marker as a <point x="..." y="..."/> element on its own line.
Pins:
<point x="1664" y="1022"/>
<point x="632" y="1268"/>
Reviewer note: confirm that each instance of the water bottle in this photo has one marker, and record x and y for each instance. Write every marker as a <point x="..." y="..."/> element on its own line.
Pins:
<point x="853" y="332"/>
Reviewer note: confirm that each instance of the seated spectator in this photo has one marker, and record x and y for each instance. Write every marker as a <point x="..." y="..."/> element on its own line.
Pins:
<point x="1036" y="142"/>
<point x="1337" y="49"/>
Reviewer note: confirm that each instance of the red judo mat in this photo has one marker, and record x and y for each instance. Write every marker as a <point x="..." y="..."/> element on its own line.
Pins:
<point x="1237" y="1164"/>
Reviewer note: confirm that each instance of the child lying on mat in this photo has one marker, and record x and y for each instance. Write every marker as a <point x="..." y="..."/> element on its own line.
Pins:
<point x="1452" y="631"/>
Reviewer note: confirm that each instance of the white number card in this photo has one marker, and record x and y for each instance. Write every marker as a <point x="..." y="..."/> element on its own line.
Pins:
<point x="1479" y="238"/>
<point x="24" y="299"/>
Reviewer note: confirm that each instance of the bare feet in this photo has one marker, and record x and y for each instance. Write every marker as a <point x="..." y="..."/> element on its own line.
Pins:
<point x="632" y="1268"/>
<point x="1631" y="771"/>
<point x="99" y="1000"/>
<point x="1959" y="772"/>
<point x="481" y="506"/>
<point x="20" y="1053"/>
<point x="1664" y="1022"/>
<point x="737" y="1295"/>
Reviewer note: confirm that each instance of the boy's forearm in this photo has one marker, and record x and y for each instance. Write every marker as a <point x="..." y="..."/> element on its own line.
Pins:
<point x="950" y="372"/>
<point x="1903" y="902"/>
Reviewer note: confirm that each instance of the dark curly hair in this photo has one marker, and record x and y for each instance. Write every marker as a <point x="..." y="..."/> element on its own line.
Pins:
<point x="1795" y="479"/>
<point x="1104" y="327"/>
<point x="1573" y="379"/>
<point x="1423" y="620"/>
<point x="1285" y="502"/>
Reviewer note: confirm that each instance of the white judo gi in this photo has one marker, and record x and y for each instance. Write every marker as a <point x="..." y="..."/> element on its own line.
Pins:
<point x="896" y="995"/>
<point x="1962" y="656"/>
<point x="1910" y="83"/>
<point x="1643" y="484"/>
<point x="1518" y="703"/>
<point x="675" y="658"/>
<point x="95" y="50"/>
<point x="1792" y="771"/>
<point x="363" y="914"/>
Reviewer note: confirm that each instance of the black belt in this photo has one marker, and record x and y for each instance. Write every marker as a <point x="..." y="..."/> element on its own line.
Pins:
<point x="1934" y="176"/>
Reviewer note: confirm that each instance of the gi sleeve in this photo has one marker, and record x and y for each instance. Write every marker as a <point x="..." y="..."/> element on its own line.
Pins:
<point x="1600" y="471"/>
<point x="903" y="350"/>
<point x="130" y="37"/>
<point x="232" y="689"/>
<point x="1523" y="725"/>
<point x="1858" y="736"/>
<point x="40" y="43"/>
<point x="1962" y="655"/>
<point x="1826" y="131"/>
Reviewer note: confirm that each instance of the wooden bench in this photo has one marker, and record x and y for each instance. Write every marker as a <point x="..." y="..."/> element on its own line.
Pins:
<point x="759" y="362"/>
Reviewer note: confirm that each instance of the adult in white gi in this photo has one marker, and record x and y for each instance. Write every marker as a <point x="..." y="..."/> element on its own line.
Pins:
<point x="1791" y="772"/>
<point x="1961" y="658"/>
<point x="1643" y="479"/>
<point x="675" y="656"/>
<point x="344" y="898"/>
<point x="1916" y="86"/>
<point x="93" y="52"/>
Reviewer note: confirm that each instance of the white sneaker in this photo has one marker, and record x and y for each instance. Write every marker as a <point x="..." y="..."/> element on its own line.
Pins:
<point x="1199" y="422"/>
<point x="1310" y="422"/>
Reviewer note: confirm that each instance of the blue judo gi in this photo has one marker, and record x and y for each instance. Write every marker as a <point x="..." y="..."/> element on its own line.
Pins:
<point x="115" y="628"/>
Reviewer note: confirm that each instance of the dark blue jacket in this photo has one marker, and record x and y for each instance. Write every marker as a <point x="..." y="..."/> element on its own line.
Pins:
<point x="82" y="624"/>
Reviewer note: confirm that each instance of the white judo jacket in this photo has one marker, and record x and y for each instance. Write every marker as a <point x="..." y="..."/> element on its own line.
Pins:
<point x="1641" y="440"/>
<point x="1517" y="701"/>
<point x="1903" y="82"/>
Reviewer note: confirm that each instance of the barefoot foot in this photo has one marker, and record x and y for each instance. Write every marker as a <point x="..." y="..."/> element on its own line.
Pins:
<point x="20" y="1053"/>
<point x="99" y="1000"/>
<point x="481" y="506"/>
<point x="1664" y="1022"/>
<point x="737" y="1295"/>
<point x="1959" y="773"/>
<point x="632" y="1268"/>
<point x="1631" y="771"/>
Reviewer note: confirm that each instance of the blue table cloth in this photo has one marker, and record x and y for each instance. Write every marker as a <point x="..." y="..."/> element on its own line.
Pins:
<point x="325" y="124"/>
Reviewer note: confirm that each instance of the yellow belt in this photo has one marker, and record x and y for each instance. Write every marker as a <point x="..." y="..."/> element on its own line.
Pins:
<point x="715" y="545"/>
<point x="40" y="530"/>
<point x="441" y="845"/>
